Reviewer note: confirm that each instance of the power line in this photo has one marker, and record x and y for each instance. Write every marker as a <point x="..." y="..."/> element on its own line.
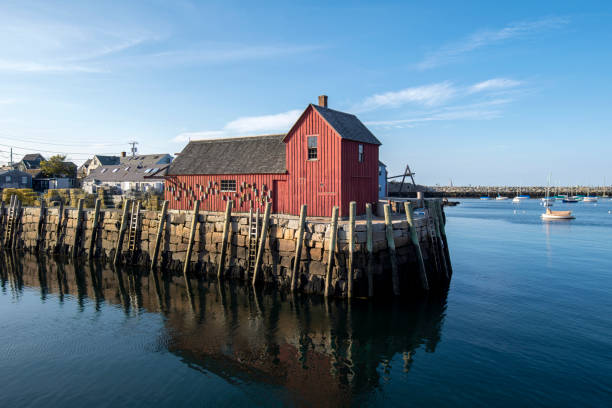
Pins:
<point x="56" y="144"/>
<point x="53" y="151"/>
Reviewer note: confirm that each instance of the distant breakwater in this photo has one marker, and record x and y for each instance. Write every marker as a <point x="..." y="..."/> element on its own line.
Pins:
<point x="512" y="191"/>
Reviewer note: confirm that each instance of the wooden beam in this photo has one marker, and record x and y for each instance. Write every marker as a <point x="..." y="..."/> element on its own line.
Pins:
<point x="392" y="255"/>
<point x="332" y="249"/>
<point x="431" y="212"/>
<point x="369" y="248"/>
<point x="58" y="231"/>
<point x="417" y="246"/>
<point x="41" y="222"/>
<point x="262" y="241"/>
<point x="194" y="224"/>
<point x="118" y="250"/>
<point x="441" y="224"/>
<point x="75" y="241"/>
<point x="226" y="228"/>
<point x="298" y="248"/>
<point x="94" y="229"/>
<point x="16" y="224"/>
<point x="160" y="231"/>
<point x="351" y="259"/>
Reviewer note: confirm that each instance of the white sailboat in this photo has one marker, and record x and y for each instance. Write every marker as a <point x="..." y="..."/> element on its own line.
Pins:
<point x="548" y="200"/>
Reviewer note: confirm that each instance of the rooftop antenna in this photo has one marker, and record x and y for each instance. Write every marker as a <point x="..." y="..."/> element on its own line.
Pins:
<point x="134" y="149"/>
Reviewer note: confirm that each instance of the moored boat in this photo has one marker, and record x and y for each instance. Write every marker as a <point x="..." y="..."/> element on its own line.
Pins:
<point x="557" y="215"/>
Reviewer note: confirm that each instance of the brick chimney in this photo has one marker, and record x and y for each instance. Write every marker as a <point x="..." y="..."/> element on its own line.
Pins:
<point x="323" y="101"/>
<point x="122" y="154"/>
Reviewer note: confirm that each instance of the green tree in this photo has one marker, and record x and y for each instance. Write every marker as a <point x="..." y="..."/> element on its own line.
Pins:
<point x="57" y="167"/>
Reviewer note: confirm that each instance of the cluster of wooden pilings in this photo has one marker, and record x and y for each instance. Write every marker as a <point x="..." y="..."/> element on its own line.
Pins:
<point x="296" y="253"/>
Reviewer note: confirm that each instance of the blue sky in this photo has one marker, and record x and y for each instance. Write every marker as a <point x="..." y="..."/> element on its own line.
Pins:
<point x="480" y="93"/>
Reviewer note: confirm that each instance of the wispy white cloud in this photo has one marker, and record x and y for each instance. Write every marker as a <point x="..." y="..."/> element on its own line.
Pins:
<point x="494" y="84"/>
<point x="486" y="38"/>
<point x="433" y="95"/>
<point x="246" y="126"/>
<point x="34" y="44"/>
<point x="427" y="95"/>
<point x="486" y="110"/>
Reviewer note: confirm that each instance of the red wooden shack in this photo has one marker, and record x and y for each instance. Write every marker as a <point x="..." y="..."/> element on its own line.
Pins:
<point x="327" y="158"/>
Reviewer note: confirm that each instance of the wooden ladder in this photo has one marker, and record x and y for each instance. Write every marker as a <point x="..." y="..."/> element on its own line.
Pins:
<point x="133" y="231"/>
<point x="10" y="221"/>
<point x="253" y="236"/>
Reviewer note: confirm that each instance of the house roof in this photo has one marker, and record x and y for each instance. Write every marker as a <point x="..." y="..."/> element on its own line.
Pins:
<point x="347" y="126"/>
<point x="31" y="164"/>
<point x="34" y="172"/>
<point x="134" y="172"/>
<point x="107" y="160"/>
<point x="241" y="155"/>
<point x="13" y="172"/>
<point x="144" y="159"/>
<point x="33" y="157"/>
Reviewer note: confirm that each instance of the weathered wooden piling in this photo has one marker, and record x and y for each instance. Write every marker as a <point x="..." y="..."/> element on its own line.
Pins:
<point x="431" y="208"/>
<point x="262" y="241"/>
<point x="392" y="254"/>
<point x="126" y="205"/>
<point x="18" y="214"/>
<point x="351" y="258"/>
<point x="332" y="249"/>
<point x="58" y="230"/>
<point x="41" y="224"/>
<point x="441" y="223"/>
<point x="79" y="218"/>
<point x="95" y="225"/>
<point x="160" y="231"/>
<point x="370" y="249"/>
<point x="298" y="248"/>
<point x="194" y="224"/>
<point x="417" y="246"/>
<point x="420" y="199"/>
<point x="226" y="228"/>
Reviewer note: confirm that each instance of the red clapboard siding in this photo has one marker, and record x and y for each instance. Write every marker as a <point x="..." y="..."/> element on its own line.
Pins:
<point x="315" y="183"/>
<point x="213" y="201"/>
<point x="359" y="179"/>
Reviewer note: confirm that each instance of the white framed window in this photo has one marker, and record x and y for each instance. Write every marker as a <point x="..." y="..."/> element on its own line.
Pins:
<point x="24" y="180"/>
<point x="8" y="179"/>
<point x="313" y="147"/>
<point x="360" y="158"/>
<point x="228" y="185"/>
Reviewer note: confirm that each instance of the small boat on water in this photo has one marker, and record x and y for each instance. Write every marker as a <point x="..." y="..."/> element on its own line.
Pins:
<point x="570" y="200"/>
<point x="547" y="201"/>
<point x="487" y="197"/>
<point x="557" y="215"/>
<point x="500" y="197"/>
<point x="589" y="199"/>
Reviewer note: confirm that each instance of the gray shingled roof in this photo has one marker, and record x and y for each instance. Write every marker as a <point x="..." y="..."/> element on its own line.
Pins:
<point x="118" y="173"/>
<point x="107" y="160"/>
<point x="348" y="126"/>
<point x="242" y="155"/>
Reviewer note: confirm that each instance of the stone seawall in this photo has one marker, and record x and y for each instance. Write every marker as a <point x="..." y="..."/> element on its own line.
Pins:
<point x="35" y="233"/>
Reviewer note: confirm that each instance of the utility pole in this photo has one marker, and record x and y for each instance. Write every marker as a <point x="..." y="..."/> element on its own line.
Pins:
<point x="134" y="149"/>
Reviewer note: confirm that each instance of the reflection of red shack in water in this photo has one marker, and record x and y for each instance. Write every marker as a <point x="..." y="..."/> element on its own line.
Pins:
<point x="328" y="158"/>
<point x="322" y="354"/>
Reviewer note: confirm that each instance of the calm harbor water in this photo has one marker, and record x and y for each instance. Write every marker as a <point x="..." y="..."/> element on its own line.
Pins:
<point x="526" y="322"/>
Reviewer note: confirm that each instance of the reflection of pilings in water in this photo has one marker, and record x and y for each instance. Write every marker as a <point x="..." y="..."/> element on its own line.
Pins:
<point x="81" y="284"/>
<point x="95" y="272"/>
<point x="160" y="300"/>
<point x="122" y="293"/>
<point x="62" y="282"/>
<point x="324" y="352"/>
<point x="42" y="278"/>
